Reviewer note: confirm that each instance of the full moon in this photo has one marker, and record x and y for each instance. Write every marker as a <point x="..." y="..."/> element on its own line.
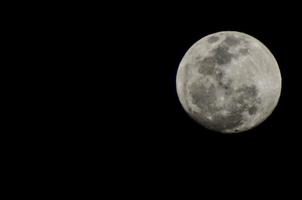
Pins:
<point x="228" y="82"/>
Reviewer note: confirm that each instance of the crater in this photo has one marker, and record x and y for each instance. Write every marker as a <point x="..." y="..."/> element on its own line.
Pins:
<point x="247" y="99"/>
<point x="227" y="87"/>
<point x="222" y="55"/>
<point x="248" y="91"/>
<point x="219" y="74"/>
<point x="252" y="110"/>
<point x="243" y="101"/>
<point x="206" y="66"/>
<point x="231" y="41"/>
<point x="223" y="122"/>
<point x="202" y="96"/>
<point x="213" y="39"/>
<point x="244" y="51"/>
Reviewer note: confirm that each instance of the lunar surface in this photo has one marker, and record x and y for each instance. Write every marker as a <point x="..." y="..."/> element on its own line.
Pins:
<point x="228" y="82"/>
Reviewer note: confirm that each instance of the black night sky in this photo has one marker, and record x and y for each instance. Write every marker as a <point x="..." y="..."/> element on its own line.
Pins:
<point x="100" y="84"/>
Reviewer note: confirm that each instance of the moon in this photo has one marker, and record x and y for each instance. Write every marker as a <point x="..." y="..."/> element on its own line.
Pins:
<point x="228" y="82"/>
